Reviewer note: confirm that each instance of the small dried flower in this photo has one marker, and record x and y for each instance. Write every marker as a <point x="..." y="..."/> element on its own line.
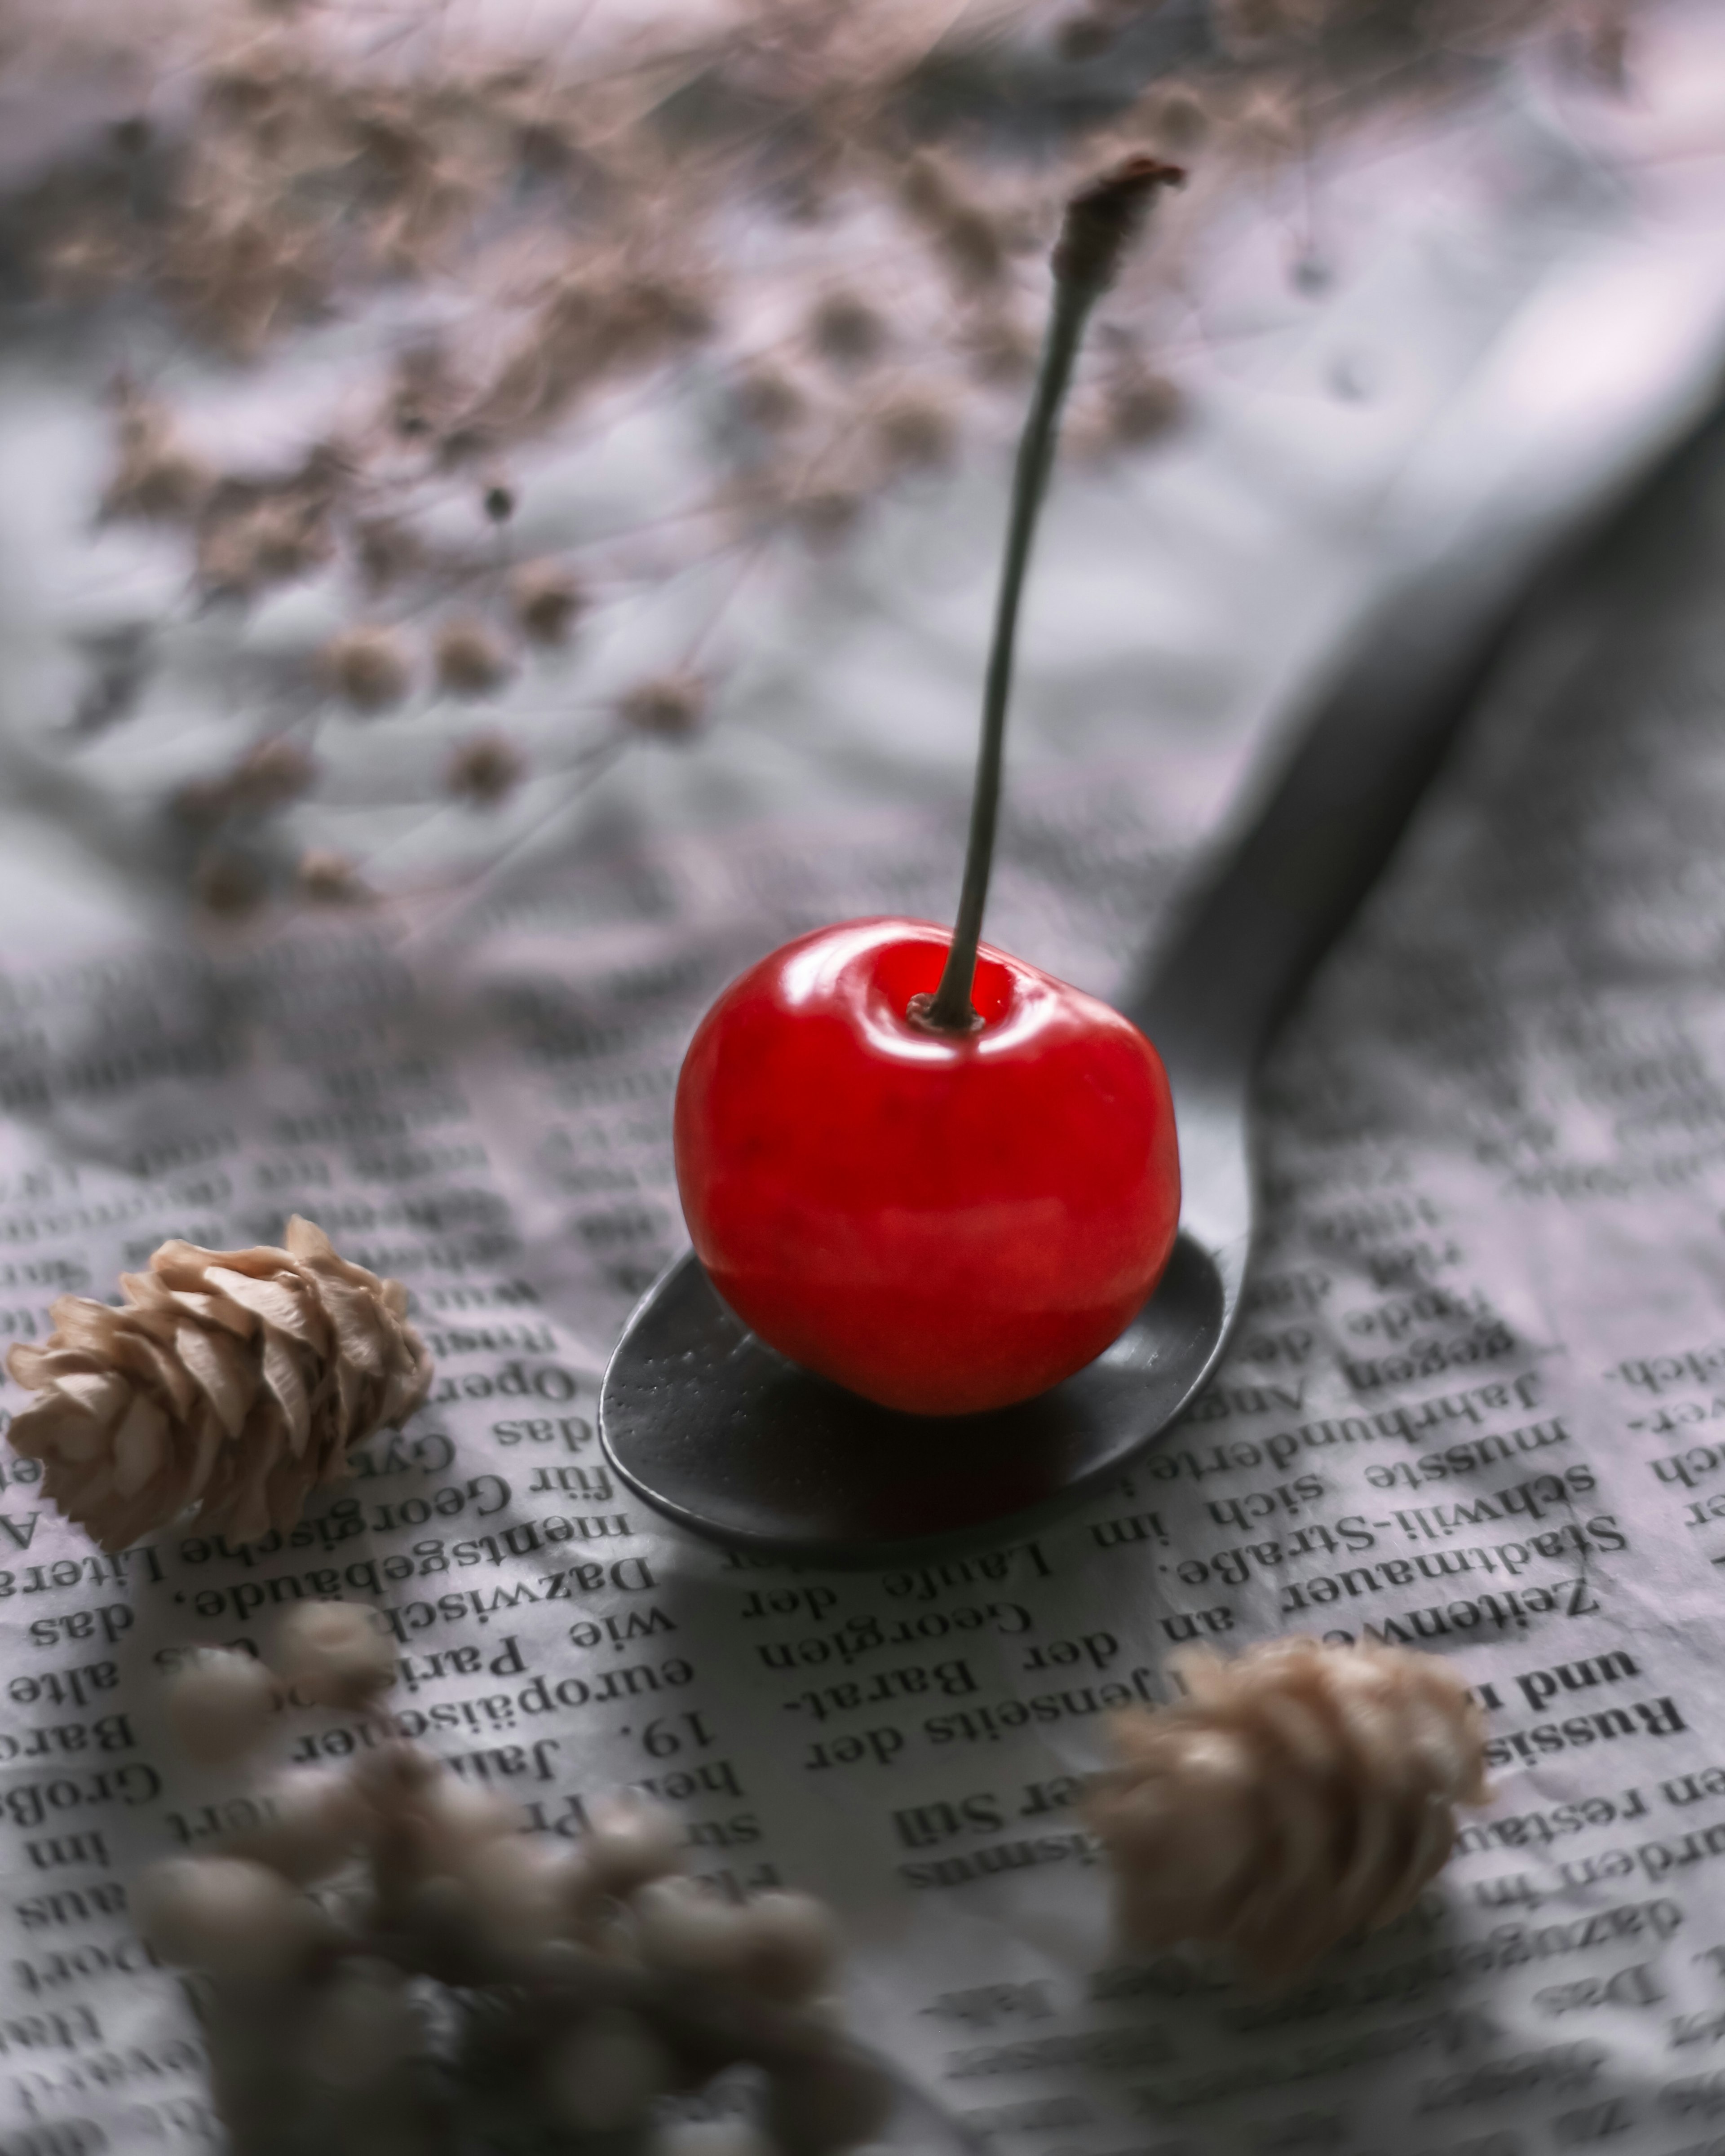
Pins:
<point x="927" y="186"/>
<point x="1001" y="349"/>
<point x="973" y="245"/>
<point x="470" y="661"/>
<point x="244" y="545"/>
<point x="88" y="260"/>
<point x="918" y="431"/>
<point x="484" y="770"/>
<point x="228" y="885"/>
<point x="847" y="330"/>
<point x="328" y="878"/>
<point x="1084" y="37"/>
<point x="669" y="706"/>
<point x="423" y="394"/>
<point x="200" y="804"/>
<point x="156" y="475"/>
<point x="1142" y="405"/>
<point x="769" y="400"/>
<point x="386" y="552"/>
<point x="337" y="1654"/>
<point x="1295" y="1795"/>
<point x="1265" y="125"/>
<point x="1174" y="118"/>
<point x="271" y="776"/>
<point x="368" y="667"/>
<point x="824" y="515"/>
<point x="238" y="268"/>
<point x="235" y="1380"/>
<point x="546" y="601"/>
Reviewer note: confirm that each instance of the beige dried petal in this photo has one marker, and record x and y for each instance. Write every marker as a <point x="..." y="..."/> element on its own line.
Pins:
<point x="1292" y="1797"/>
<point x="38" y="1432"/>
<point x="272" y="1300"/>
<point x="84" y="1327"/>
<point x="234" y="1380"/>
<point x="222" y="1368"/>
<point x="28" y="1365"/>
<point x="101" y="1394"/>
<point x="281" y="1373"/>
<point x="139" y="1445"/>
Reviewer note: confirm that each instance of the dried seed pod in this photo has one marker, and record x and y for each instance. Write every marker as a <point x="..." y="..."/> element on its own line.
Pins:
<point x="362" y="2026"/>
<point x="454" y="1820"/>
<point x="830" y="2100"/>
<point x="669" y="706"/>
<point x="606" y="2073"/>
<point x="631" y="1841"/>
<point x="367" y="666"/>
<point x="485" y="769"/>
<point x="680" y="1925"/>
<point x="793" y="1946"/>
<point x="519" y="1889"/>
<point x="235" y="1380"/>
<point x="232" y="1918"/>
<point x="546" y="601"/>
<point x="220" y="1703"/>
<point x="1297" y="1794"/>
<point x="471" y="660"/>
<point x="317" y="1819"/>
<point x="337" y="1654"/>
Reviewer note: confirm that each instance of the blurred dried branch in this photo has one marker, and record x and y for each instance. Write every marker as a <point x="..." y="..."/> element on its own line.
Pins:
<point x="820" y="227"/>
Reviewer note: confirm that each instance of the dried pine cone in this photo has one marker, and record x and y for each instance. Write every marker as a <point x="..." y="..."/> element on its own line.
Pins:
<point x="234" y="1380"/>
<point x="1294" y="1796"/>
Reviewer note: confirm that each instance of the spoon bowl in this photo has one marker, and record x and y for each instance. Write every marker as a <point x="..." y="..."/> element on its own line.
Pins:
<point x="714" y="1428"/>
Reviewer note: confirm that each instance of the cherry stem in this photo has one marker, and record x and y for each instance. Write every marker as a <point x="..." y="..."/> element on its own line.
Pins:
<point x="1101" y="220"/>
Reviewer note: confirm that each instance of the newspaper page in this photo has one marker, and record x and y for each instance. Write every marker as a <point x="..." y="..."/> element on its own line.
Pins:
<point x="1477" y="1405"/>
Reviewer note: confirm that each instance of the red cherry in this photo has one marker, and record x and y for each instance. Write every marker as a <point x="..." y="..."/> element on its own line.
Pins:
<point x="942" y="1222"/>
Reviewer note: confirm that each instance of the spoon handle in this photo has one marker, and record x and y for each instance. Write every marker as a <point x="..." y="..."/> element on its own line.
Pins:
<point x="1212" y="1000"/>
<point x="1332" y="817"/>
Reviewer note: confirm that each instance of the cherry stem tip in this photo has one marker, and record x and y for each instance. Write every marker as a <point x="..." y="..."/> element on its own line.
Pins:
<point x="1100" y="223"/>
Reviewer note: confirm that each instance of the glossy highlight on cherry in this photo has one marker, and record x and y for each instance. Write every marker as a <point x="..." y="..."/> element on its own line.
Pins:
<point x="943" y="1223"/>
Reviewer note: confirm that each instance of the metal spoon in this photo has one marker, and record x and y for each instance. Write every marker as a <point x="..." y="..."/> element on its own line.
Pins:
<point x="719" y="1432"/>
